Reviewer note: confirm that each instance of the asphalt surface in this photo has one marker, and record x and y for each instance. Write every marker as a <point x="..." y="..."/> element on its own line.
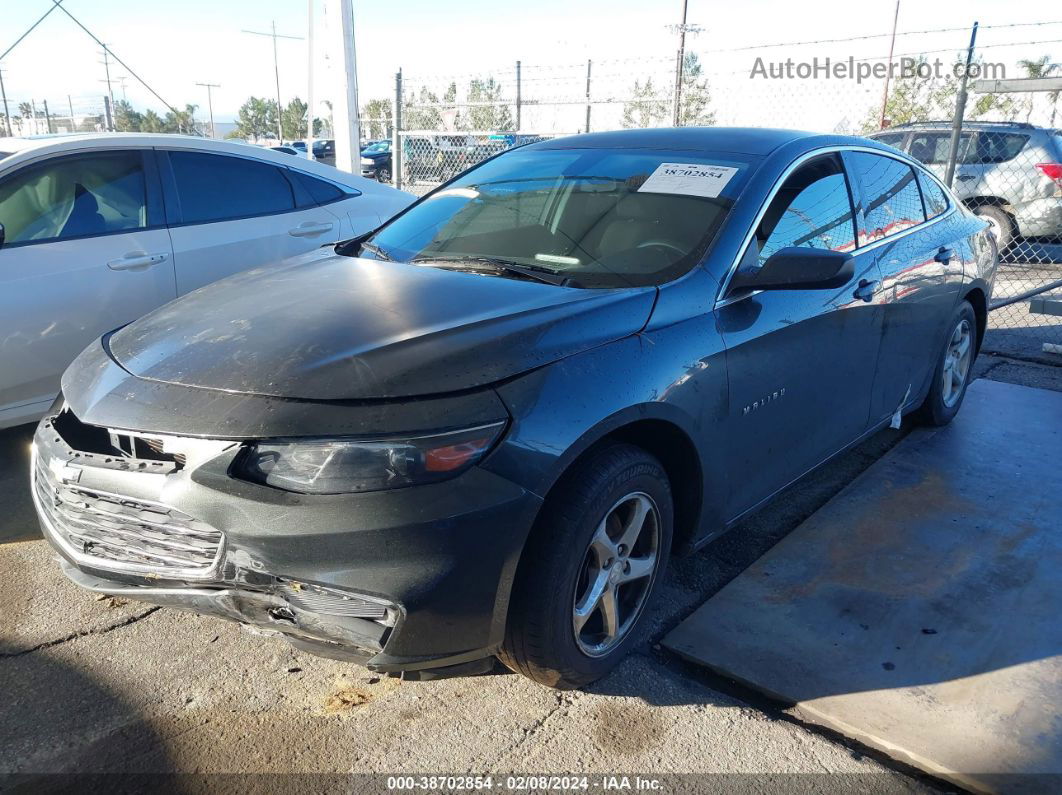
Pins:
<point x="105" y="685"/>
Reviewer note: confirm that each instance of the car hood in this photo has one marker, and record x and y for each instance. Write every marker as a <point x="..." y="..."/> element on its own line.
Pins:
<point x="329" y="327"/>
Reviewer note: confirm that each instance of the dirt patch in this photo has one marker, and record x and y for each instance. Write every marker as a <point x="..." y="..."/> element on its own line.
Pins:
<point x="627" y="730"/>
<point x="112" y="602"/>
<point x="345" y="698"/>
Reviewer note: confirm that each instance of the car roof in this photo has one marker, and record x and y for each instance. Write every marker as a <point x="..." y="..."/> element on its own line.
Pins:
<point x="757" y="141"/>
<point x="28" y="149"/>
<point x="937" y="126"/>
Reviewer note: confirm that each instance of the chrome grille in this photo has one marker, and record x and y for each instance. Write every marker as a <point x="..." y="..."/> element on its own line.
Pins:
<point x="330" y="602"/>
<point x="116" y="532"/>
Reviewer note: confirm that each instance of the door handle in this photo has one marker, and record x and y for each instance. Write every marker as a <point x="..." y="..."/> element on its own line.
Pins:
<point x="865" y="290"/>
<point x="136" y="262"/>
<point x="944" y="255"/>
<point x="966" y="177"/>
<point x="310" y="229"/>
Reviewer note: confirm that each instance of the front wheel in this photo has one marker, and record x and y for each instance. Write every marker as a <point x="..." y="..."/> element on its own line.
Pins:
<point x="384" y="174"/>
<point x="590" y="569"/>
<point x="952" y="373"/>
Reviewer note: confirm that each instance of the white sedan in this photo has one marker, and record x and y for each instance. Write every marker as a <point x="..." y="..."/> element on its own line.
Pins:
<point x="96" y="230"/>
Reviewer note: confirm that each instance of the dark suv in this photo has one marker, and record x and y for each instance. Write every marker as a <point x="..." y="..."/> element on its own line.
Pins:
<point x="1009" y="173"/>
<point x="481" y="430"/>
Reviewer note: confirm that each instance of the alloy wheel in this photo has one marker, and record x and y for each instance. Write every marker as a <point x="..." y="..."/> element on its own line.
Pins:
<point x="957" y="360"/>
<point x="617" y="574"/>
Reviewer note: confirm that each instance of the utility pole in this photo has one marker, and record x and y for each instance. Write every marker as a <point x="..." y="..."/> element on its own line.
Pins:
<point x="121" y="81"/>
<point x="276" y="71"/>
<point x="33" y="110"/>
<point x="110" y="92"/>
<point x="892" y="44"/>
<point x="347" y="133"/>
<point x="679" y="64"/>
<point x="7" y="114"/>
<point x="70" y="107"/>
<point x="960" y="109"/>
<point x="588" y="63"/>
<point x="309" y="79"/>
<point x="518" y="127"/>
<point x="47" y="117"/>
<point x="210" y="104"/>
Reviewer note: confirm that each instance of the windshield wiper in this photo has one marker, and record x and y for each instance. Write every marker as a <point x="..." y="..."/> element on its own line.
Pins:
<point x="537" y="272"/>
<point x="379" y="252"/>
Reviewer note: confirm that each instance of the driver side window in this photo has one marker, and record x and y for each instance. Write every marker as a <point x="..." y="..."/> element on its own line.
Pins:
<point x="812" y="209"/>
<point x="73" y="197"/>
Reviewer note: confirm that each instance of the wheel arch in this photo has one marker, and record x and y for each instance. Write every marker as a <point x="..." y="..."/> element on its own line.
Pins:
<point x="977" y="298"/>
<point x="663" y="437"/>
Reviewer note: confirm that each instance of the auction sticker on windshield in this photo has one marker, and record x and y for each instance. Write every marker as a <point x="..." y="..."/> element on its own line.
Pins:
<point x="688" y="179"/>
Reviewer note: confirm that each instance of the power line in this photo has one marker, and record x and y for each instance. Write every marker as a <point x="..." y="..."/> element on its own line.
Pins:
<point x="885" y="35"/>
<point x="29" y="30"/>
<point x="134" y="75"/>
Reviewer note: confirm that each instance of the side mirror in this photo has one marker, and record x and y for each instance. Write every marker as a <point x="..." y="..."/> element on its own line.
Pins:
<point x="2" y="235"/>
<point x="798" y="268"/>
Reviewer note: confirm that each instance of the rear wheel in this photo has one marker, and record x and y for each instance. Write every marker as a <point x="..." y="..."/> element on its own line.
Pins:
<point x="1000" y="222"/>
<point x="590" y="569"/>
<point x="952" y="374"/>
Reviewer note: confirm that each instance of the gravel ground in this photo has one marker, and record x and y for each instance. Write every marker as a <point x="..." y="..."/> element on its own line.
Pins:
<point x="104" y="685"/>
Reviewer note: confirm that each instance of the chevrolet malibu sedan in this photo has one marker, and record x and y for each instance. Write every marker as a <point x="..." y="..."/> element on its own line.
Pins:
<point x="480" y="431"/>
<point x="96" y="230"/>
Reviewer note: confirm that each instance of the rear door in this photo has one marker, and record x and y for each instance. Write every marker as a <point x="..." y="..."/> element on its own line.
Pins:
<point x="86" y="251"/>
<point x="933" y="150"/>
<point x="800" y="362"/>
<point x="921" y="269"/>
<point x="229" y="213"/>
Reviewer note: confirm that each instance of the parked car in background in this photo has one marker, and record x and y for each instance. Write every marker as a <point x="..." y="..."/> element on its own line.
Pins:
<point x="482" y="429"/>
<point x="376" y="161"/>
<point x="325" y="151"/>
<point x="99" y="229"/>
<point x="1009" y="173"/>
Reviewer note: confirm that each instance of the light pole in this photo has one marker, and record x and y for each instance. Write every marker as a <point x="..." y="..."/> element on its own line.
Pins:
<point x="210" y="104"/>
<point x="276" y="71"/>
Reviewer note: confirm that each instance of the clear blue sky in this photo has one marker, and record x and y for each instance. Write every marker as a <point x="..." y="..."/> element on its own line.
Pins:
<point x="175" y="43"/>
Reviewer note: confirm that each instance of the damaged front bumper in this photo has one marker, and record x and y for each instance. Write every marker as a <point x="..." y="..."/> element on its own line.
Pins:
<point x="412" y="581"/>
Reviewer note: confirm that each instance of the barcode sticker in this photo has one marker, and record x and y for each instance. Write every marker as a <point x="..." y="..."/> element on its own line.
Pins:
<point x="688" y="179"/>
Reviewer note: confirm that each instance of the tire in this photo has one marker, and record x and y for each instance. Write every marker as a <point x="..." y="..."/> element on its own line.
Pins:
<point x="383" y="174"/>
<point x="567" y="554"/>
<point x="944" y="399"/>
<point x="1002" y="223"/>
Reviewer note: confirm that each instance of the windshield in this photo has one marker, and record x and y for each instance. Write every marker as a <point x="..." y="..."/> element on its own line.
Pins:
<point x="601" y="217"/>
<point x="377" y="147"/>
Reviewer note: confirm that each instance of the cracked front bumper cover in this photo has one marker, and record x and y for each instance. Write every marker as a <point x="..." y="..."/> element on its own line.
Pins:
<point x="440" y="558"/>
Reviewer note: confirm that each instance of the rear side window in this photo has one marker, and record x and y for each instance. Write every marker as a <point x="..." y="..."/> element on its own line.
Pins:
<point x="812" y="209"/>
<point x="322" y="192"/>
<point x="932" y="195"/>
<point x="892" y="139"/>
<point x="220" y="187"/>
<point x="891" y="200"/>
<point x="996" y="147"/>
<point x="933" y="148"/>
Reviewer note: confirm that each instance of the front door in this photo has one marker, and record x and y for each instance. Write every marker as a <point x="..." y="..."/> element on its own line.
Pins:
<point x="85" y="252"/>
<point x="800" y="362"/>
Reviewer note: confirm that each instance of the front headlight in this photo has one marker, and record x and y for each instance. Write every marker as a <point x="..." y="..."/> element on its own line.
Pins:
<point x="339" y="466"/>
<point x="365" y="161"/>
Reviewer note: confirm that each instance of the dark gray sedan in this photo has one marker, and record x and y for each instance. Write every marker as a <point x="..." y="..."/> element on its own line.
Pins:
<point x="480" y="431"/>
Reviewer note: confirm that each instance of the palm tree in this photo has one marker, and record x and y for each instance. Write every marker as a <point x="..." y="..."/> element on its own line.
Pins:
<point x="1042" y="67"/>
